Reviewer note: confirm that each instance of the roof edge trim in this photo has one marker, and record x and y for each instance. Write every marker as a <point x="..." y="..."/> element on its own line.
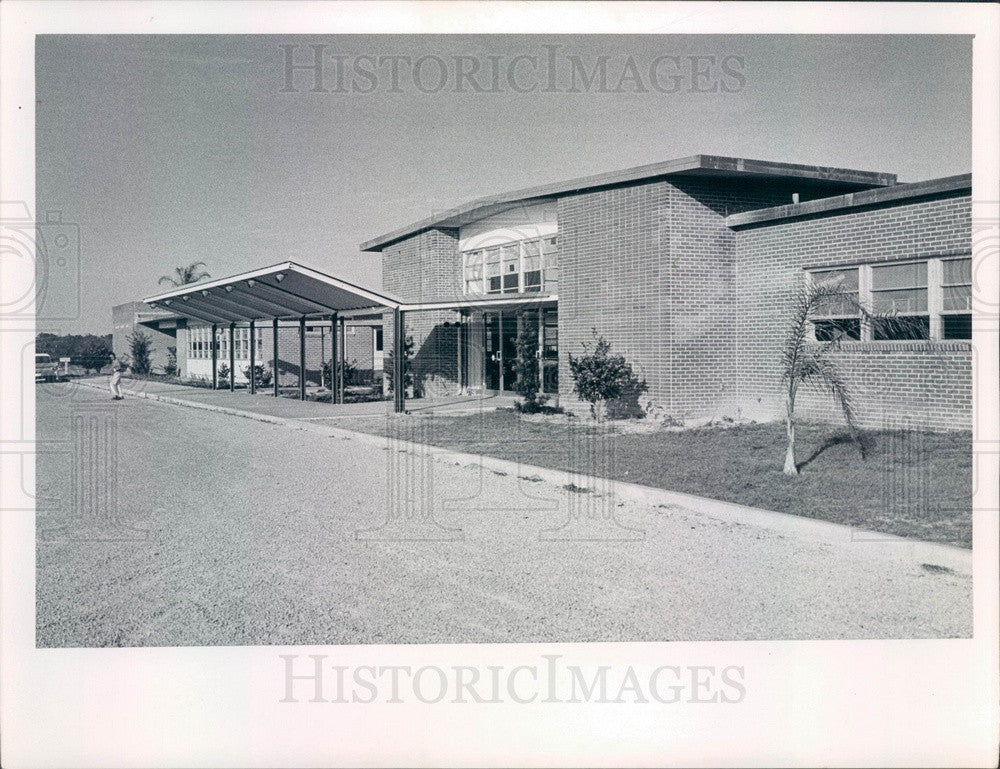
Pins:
<point x="875" y="197"/>
<point x="705" y="164"/>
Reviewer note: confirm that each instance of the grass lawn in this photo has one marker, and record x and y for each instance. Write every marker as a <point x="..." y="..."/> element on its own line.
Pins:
<point x="912" y="484"/>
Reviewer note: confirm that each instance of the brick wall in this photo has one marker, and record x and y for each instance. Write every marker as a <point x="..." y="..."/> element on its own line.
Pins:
<point x="927" y="383"/>
<point x="700" y="308"/>
<point x="651" y="267"/>
<point x="426" y="268"/>
<point x="898" y="384"/>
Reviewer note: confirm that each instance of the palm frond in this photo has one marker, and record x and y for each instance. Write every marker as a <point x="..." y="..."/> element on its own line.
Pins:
<point x="821" y="374"/>
<point x="182" y="276"/>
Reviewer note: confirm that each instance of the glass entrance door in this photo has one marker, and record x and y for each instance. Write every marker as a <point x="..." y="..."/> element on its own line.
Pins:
<point x="492" y="350"/>
<point x="508" y="350"/>
<point x="500" y="351"/>
<point x="549" y="358"/>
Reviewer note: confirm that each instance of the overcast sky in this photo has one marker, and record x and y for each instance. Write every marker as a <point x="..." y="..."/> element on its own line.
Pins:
<point x="172" y="149"/>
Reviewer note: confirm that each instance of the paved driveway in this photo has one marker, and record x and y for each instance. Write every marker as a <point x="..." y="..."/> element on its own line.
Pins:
<point x="231" y="531"/>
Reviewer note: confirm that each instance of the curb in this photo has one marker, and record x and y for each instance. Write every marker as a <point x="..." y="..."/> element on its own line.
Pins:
<point x="957" y="558"/>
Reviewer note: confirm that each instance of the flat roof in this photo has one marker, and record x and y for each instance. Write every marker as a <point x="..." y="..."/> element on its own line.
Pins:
<point x="899" y="192"/>
<point x="836" y="179"/>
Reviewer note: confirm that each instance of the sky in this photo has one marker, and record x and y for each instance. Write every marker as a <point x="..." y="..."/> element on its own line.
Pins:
<point x="165" y="150"/>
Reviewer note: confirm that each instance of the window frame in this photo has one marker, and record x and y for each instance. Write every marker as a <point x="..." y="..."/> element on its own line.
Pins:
<point x="965" y="310"/>
<point x="544" y="250"/>
<point x="935" y="285"/>
<point x="835" y="318"/>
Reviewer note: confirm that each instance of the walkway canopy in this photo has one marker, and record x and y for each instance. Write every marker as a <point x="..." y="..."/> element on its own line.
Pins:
<point x="291" y="291"/>
<point x="282" y="291"/>
<point x="286" y="290"/>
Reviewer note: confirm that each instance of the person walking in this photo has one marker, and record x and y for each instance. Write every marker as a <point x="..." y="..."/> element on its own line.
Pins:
<point x="116" y="380"/>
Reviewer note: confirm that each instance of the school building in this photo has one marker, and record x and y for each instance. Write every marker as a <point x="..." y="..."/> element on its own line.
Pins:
<point x="689" y="268"/>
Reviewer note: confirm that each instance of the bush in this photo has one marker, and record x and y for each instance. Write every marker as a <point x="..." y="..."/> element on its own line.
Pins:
<point x="140" y="346"/>
<point x="407" y="365"/>
<point x="528" y="379"/>
<point x="352" y="374"/>
<point x="170" y="369"/>
<point x="606" y="381"/>
<point x="261" y="375"/>
<point x="223" y="373"/>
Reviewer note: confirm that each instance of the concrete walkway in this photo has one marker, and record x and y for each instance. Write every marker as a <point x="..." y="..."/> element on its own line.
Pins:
<point x="264" y="403"/>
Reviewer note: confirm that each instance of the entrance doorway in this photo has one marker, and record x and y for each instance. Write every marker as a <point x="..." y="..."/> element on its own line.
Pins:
<point x="500" y="348"/>
<point x="500" y="351"/>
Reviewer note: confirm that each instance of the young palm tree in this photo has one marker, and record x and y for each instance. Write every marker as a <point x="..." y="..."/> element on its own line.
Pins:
<point x="184" y="275"/>
<point x="805" y="362"/>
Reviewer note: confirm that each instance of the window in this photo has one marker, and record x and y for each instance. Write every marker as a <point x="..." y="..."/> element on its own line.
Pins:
<point x="550" y="252"/>
<point x="838" y="317"/>
<point x="378" y="339"/>
<point x="198" y="342"/>
<point x="511" y="263"/>
<point x="492" y="262"/>
<point x="473" y="272"/>
<point x="532" y="265"/>
<point x="927" y="299"/>
<point x="956" y="298"/>
<point x="511" y="268"/>
<point x="900" y="290"/>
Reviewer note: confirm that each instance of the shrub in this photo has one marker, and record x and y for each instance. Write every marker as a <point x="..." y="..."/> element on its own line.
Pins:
<point x="140" y="346"/>
<point x="223" y="373"/>
<point x="528" y="379"/>
<point x="407" y="365"/>
<point x="605" y="380"/>
<point x="261" y="375"/>
<point x="352" y="374"/>
<point x="170" y="369"/>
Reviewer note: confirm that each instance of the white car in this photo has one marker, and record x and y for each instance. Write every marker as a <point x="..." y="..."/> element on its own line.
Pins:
<point x="46" y="370"/>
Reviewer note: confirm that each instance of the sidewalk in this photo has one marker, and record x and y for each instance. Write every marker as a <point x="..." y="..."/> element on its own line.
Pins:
<point x="265" y="404"/>
<point x="316" y="417"/>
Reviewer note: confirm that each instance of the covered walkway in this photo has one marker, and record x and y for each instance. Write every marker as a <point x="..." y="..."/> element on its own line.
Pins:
<point x="290" y="291"/>
<point x="282" y="292"/>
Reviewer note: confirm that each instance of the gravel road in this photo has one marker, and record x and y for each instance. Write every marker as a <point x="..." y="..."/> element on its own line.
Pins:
<point x="229" y="531"/>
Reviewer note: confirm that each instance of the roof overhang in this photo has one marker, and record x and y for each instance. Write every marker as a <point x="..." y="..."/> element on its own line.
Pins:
<point x="833" y="180"/>
<point x="286" y="290"/>
<point x="897" y="194"/>
<point x="158" y="320"/>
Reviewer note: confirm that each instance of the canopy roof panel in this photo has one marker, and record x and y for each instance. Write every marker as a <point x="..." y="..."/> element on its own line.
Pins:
<point x="283" y="290"/>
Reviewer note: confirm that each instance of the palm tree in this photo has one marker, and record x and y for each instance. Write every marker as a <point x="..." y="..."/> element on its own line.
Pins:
<point x="184" y="275"/>
<point x="805" y="362"/>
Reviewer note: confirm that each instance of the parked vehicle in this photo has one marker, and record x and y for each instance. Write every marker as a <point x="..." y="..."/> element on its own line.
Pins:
<point x="46" y="370"/>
